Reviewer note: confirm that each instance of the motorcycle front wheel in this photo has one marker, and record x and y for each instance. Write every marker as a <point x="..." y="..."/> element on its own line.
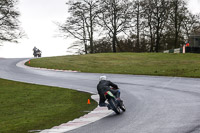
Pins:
<point x="123" y="108"/>
<point x="114" y="106"/>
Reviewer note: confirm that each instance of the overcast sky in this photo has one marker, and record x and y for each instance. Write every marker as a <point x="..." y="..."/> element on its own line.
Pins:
<point x="37" y="17"/>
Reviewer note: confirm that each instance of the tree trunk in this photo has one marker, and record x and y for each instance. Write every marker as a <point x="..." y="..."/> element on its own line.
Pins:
<point x="138" y="26"/>
<point x="151" y="38"/>
<point x="84" y="37"/>
<point x="91" y="31"/>
<point x="114" y="42"/>
<point x="114" y="28"/>
<point x="176" y="24"/>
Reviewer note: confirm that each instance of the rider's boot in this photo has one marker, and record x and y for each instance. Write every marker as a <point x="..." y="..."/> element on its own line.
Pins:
<point x="109" y="107"/>
<point x="103" y="104"/>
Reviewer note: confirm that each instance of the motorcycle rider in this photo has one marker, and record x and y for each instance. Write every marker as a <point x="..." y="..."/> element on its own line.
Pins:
<point x="34" y="50"/>
<point x="104" y="86"/>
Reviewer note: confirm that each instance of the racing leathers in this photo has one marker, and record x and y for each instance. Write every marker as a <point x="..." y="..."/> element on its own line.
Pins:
<point x="104" y="86"/>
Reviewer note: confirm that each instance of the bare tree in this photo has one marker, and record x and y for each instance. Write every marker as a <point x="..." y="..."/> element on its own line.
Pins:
<point x="115" y="17"/>
<point x="191" y="24"/>
<point x="82" y="21"/>
<point x="91" y="11"/>
<point x="136" y="17"/>
<point x="160" y="17"/>
<point x="142" y="24"/>
<point x="75" y="25"/>
<point x="155" y="17"/>
<point x="148" y="8"/>
<point x="9" y="24"/>
<point x="177" y="17"/>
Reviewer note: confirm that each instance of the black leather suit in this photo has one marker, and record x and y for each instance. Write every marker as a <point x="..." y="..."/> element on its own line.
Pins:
<point x="104" y="86"/>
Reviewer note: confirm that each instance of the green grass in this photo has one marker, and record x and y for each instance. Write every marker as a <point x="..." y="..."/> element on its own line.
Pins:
<point x="180" y="65"/>
<point x="25" y="107"/>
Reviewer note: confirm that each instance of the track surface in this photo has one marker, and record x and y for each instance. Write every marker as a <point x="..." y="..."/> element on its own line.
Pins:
<point x="154" y="104"/>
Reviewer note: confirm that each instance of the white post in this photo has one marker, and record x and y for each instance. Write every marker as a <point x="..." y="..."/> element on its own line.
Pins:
<point x="183" y="49"/>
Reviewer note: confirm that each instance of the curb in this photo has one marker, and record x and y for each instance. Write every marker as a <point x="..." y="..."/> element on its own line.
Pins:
<point x="21" y="64"/>
<point x="95" y="115"/>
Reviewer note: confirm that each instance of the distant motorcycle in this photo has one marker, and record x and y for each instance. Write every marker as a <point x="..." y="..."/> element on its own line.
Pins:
<point x="37" y="53"/>
<point x="115" y="104"/>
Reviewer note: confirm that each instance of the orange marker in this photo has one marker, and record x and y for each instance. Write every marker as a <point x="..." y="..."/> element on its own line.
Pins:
<point x="29" y="62"/>
<point x="88" y="101"/>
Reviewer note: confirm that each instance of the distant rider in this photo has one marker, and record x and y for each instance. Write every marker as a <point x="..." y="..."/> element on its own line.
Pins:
<point x="104" y="86"/>
<point x="34" y="50"/>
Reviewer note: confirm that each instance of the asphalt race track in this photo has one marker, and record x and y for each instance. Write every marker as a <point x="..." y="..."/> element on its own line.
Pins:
<point x="154" y="104"/>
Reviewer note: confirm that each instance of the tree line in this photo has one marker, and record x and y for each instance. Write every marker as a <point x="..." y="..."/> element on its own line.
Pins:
<point x="115" y="25"/>
<point x="129" y="25"/>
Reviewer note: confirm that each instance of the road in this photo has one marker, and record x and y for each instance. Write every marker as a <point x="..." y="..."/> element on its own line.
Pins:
<point x="154" y="104"/>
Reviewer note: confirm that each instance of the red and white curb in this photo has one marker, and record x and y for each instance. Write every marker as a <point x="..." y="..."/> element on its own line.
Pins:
<point x="21" y="64"/>
<point x="96" y="114"/>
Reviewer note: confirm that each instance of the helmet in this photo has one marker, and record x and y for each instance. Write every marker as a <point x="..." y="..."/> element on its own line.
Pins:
<point x="102" y="78"/>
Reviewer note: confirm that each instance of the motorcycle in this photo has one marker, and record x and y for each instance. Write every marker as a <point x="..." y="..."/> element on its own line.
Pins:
<point x="115" y="105"/>
<point x="37" y="53"/>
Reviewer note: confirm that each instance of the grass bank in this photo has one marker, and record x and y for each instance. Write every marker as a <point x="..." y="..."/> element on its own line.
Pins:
<point x="25" y="107"/>
<point x="180" y="65"/>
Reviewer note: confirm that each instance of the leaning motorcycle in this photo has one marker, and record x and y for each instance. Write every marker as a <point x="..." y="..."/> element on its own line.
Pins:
<point x="115" y="104"/>
<point x="37" y="53"/>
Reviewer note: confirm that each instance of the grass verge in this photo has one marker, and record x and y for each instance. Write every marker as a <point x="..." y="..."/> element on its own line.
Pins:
<point x="25" y="107"/>
<point x="160" y="64"/>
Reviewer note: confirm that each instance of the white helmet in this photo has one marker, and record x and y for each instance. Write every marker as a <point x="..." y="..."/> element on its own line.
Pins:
<point x="102" y="78"/>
